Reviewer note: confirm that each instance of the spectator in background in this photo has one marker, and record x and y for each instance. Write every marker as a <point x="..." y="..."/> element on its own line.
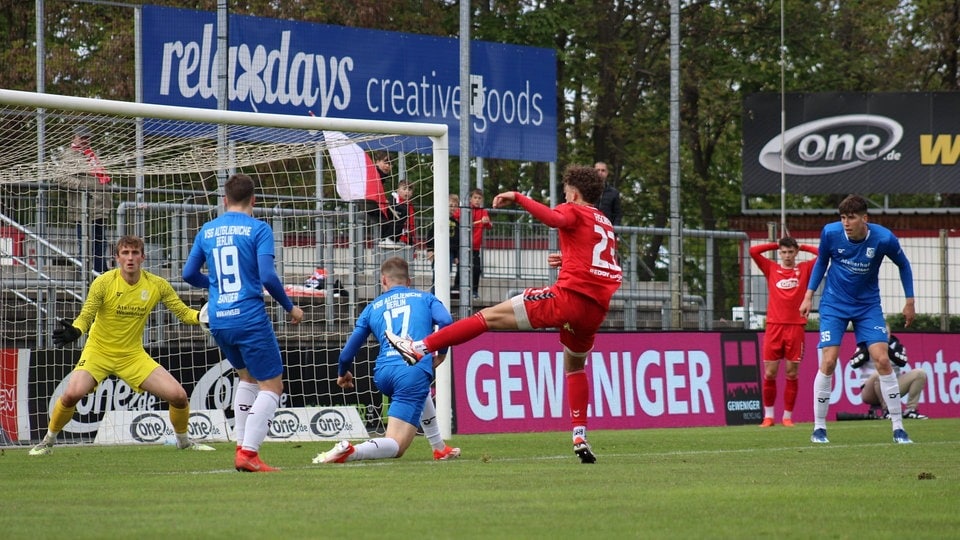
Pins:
<point x="911" y="382"/>
<point x="610" y="198"/>
<point x="375" y="211"/>
<point x="454" y="230"/>
<point x="481" y="221"/>
<point x="784" y="336"/>
<point x="397" y="230"/>
<point x="88" y="197"/>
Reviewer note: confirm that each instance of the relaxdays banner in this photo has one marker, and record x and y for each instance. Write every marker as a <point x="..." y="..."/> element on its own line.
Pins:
<point x="298" y="68"/>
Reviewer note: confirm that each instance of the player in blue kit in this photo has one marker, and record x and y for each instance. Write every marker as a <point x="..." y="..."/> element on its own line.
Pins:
<point x="403" y="311"/>
<point x="854" y="249"/>
<point x="238" y="252"/>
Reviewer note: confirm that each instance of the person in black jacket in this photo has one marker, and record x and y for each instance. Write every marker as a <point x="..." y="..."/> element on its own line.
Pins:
<point x="610" y="198"/>
<point x="454" y="230"/>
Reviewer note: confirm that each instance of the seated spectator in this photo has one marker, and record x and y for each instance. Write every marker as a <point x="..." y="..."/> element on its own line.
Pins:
<point x="911" y="382"/>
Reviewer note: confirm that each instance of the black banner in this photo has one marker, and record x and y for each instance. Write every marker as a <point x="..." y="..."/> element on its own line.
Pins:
<point x="852" y="143"/>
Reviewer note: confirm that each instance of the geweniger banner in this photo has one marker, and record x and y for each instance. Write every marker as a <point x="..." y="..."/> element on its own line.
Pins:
<point x="906" y="142"/>
<point x="298" y="68"/>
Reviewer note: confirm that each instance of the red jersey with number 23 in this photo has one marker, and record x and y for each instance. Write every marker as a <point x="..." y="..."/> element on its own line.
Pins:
<point x="588" y="248"/>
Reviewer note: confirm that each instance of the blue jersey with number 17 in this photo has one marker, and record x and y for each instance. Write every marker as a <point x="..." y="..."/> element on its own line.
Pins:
<point x="232" y="245"/>
<point x="853" y="279"/>
<point x="405" y="312"/>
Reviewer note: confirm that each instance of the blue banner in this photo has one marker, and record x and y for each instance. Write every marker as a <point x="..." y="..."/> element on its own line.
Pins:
<point x="297" y="68"/>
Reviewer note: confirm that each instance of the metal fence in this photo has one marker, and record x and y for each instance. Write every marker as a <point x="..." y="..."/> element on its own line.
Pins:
<point x="722" y="288"/>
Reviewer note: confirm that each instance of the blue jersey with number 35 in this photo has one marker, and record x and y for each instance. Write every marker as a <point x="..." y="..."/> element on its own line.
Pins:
<point x="853" y="279"/>
<point x="232" y="245"/>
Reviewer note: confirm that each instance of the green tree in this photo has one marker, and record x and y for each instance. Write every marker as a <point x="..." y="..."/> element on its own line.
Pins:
<point x="613" y="78"/>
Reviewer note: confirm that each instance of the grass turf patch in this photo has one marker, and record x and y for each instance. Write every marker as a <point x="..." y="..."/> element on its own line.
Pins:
<point x="722" y="482"/>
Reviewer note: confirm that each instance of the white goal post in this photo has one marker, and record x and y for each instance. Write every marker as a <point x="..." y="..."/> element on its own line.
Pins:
<point x="163" y="169"/>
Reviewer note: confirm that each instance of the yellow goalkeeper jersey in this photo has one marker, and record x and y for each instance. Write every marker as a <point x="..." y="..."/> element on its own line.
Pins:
<point x="115" y="312"/>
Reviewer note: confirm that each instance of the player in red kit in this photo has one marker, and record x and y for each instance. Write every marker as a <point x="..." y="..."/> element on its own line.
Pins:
<point x="783" y="340"/>
<point x="576" y="304"/>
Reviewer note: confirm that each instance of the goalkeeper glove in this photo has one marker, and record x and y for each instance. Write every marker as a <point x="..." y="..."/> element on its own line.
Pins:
<point x="860" y="357"/>
<point x="898" y="353"/>
<point x="67" y="333"/>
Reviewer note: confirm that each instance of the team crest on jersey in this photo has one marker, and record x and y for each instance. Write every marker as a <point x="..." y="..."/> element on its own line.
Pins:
<point x="144" y="294"/>
<point x="871" y="252"/>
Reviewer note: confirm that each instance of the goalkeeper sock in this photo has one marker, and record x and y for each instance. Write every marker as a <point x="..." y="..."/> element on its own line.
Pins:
<point x="180" y="420"/>
<point x="821" y="399"/>
<point x="379" y="448"/>
<point x="59" y="417"/>
<point x="890" y="389"/>
<point x="428" y="421"/>
<point x="258" y="421"/>
<point x="242" y="402"/>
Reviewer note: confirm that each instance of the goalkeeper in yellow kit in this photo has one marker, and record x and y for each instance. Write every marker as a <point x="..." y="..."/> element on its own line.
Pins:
<point x="114" y="315"/>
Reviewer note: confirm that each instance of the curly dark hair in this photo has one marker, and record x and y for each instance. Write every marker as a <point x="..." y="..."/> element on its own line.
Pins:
<point x="586" y="180"/>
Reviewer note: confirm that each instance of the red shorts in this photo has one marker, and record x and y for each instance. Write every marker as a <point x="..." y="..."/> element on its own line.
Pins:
<point x="576" y="316"/>
<point x="783" y="342"/>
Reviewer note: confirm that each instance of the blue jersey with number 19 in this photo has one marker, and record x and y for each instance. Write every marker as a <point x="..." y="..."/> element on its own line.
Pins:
<point x="231" y="245"/>
<point x="853" y="279"/>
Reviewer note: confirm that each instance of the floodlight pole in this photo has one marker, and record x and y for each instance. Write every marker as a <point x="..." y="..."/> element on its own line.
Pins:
<point x="223" y="95"/>
<point x="676" y="224"/>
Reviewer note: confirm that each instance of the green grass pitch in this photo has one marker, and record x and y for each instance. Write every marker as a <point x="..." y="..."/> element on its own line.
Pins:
<point x="726" y="482"/>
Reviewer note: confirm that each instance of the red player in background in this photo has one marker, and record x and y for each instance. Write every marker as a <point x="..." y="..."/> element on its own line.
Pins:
<point x="783" y="339"/>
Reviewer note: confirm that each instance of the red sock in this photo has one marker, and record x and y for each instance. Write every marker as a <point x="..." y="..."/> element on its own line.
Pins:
<point x="770" y="392"/>
<point x="459" y="332"/>
<point x="578" y="394"/>
<point x="790" y="394"/>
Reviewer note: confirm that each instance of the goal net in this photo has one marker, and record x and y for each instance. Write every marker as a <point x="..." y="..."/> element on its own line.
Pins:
<point x="76" y="174"/>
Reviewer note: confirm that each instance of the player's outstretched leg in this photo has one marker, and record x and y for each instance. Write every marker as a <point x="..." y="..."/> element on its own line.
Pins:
<point x="405" y="347"/>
